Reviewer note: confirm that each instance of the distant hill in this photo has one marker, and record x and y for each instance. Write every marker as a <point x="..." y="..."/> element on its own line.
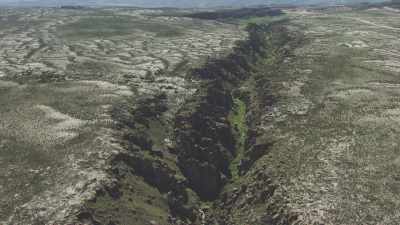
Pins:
<point x="174" y="3"/>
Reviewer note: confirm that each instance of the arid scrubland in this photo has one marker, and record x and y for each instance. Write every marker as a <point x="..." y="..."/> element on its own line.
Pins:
<point x="133" y="116"/>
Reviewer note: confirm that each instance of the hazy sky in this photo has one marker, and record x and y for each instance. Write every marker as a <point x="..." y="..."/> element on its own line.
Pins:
<point x="172" y="3"/>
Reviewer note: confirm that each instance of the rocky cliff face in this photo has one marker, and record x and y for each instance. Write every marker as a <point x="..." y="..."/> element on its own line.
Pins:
<point x="205" y="144"/>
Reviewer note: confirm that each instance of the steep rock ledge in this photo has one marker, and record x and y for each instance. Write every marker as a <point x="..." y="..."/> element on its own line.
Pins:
<point x="204" y="141"/>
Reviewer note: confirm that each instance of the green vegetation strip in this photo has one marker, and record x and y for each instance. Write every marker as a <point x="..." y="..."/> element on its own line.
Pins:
<point x="237" y="119"/>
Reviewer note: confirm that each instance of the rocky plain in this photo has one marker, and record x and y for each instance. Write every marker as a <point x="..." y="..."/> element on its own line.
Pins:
<point x="129" y="116"/>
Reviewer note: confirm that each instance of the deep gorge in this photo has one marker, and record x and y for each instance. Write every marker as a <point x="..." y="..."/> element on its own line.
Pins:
<point x="214" y="144"/>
